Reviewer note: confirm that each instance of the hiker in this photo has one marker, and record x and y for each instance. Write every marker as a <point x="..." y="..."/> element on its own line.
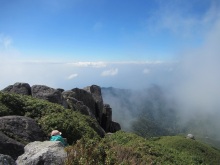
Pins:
<point x="56" y="136"/>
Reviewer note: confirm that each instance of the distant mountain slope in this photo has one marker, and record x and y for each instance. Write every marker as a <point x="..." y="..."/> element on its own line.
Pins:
<point x="150" y="112"/>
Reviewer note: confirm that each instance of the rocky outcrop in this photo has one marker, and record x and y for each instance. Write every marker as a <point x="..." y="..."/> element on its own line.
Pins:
<point x="45" y="153"/>
<point x="107" y="123"/>
<point x="97" y="96"/>
<point x="114" y="127"/>
<point x="87" y="101"/>
<point x="46" y="93"/>
<point x="21" y="128"/>
<point x="9" y="146"/>
<point x="190" y="136"/>
<point x="6" y="160"/>
<point x="86" y="98"/>
<point x="19" y="88"/>
<point x="16" y="132"/>
<point x="74" y="101"/>
<point x="106" y="117"/>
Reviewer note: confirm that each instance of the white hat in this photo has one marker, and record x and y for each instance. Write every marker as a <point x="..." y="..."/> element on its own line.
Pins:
<point x="55" y="132"/>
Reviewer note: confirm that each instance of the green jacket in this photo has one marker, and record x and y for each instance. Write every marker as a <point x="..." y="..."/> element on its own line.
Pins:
<point x="58" y="138"/>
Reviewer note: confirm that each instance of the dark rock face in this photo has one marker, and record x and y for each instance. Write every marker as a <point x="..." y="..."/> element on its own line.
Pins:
<point x="114" y="127"/>
<point x="107" y="124"/>
<point x="46" y="93"/>
<point x="106" y="118"/>
<point x="75" y="104"/>
<point x="6" y="160"/>
<point x="43" y="153"/>
<point x="97" y="96"/>
<point x="89" y="102"/>
<point x="9" y="146"/>
<point x="22" y="129"/>
<point x="19" y="88"/>
<point x="60" y="89"/>
<point x="80" y="96"/>
<point x="7" y="89"/>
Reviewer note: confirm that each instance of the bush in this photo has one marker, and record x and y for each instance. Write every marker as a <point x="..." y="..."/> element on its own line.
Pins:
<point x="72" y="125"/>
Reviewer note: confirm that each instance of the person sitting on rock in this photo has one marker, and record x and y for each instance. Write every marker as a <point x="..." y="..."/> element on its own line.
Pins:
<point x="56" y="136"/>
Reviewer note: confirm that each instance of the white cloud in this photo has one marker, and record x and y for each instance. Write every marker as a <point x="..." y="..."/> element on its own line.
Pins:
<point x="17" y="68"/>
<point x="72" y="76"/>
<point x="111" y="72"/>
<point x="139" y="62"/>
<point x="88" y="64"/>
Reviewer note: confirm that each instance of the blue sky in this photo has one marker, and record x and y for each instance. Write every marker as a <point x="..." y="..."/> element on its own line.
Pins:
<point x="120" y="43"/>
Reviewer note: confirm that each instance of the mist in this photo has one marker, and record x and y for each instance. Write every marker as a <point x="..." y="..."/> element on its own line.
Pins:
<point x="191" y="89"/>
<point x="197" y="77"/>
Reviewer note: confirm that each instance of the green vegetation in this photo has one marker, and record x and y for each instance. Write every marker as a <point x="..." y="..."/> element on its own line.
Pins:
<point x="197" y="152"/>
<point x="127" y="148"/>
<point x="120" y="148"/>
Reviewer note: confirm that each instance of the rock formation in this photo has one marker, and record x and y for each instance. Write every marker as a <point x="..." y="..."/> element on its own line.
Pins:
<point x="45" y="153"/>
<point x="9" y="146"/>
<point x="107" y="124"/>
<point x="97" y="96"/>
<point x="46" y="93"/>
<point x="19" y="88"/>
<point x="6" y="160"/>
<point x="79" y="100"/>
<point x="15" y="132"/>
<point x="88" y="101"/>
<point x="21" y="128"/>
<point x="190" y="136"/>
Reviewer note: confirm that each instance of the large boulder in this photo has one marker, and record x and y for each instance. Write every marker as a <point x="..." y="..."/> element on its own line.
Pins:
<point x="190" y="136"/>
<point x="45" y="153"/>
<point x="47" y="93"/>
<point x="19" y="88"/>
<point x="6" y="160"/>
<point x="77" y="105"/>
<point x="114" y="127"/>
<point x="9" y="146"/>
<point x="21" y="128"/>
<point x="76" y="98"/>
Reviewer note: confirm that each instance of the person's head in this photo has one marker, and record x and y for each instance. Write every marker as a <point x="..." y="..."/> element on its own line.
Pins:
<point x="55" y="132"/>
